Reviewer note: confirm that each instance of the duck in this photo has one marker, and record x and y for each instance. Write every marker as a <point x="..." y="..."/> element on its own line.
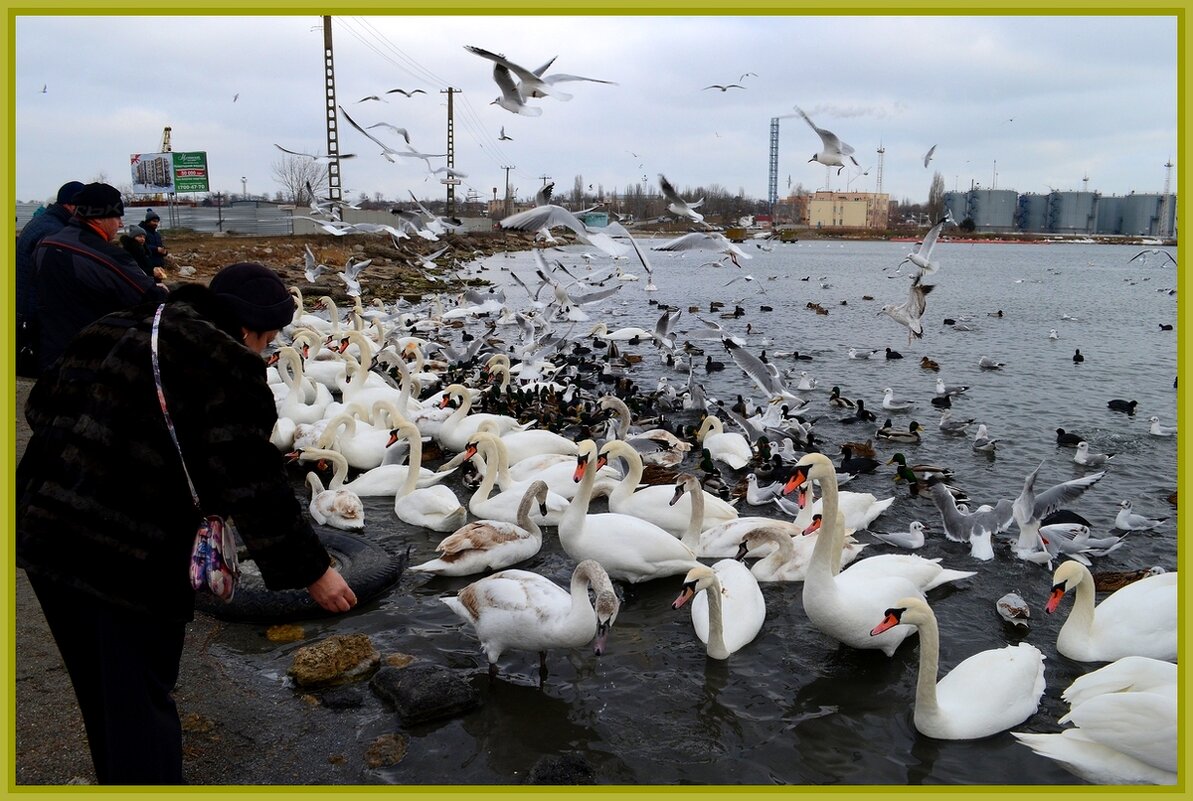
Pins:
<point x="338" y="508"/>
<point x="523" y="611"/>
<point x="1077" y="357"/>
<point x="919" y="472"/>
<point x="910" y="435"/>
<point x="629" y="548"/>
<point x="435" y="507"/>
<point x="860" y="414"/>
<point x="856" y="464"/>
<point x="835" y="398"/>
<point x="861" y="449"/>
<point x="929" y="364"/>
<point x="893" y="354"/>
<point x="1067" y="438"/>
<point x="1138" y="620"/>
<point x="1125" y="717"/>
<point x="1120" y="405"/>
<point x="728" y="609"/>
<point x="658" y="503"/>
<point x="839" y="605"/>
<point x="490" y="544"/>
<point x="987" y="693"/>
<point x="730" y="448"/>
<point x="1113" y="580"/>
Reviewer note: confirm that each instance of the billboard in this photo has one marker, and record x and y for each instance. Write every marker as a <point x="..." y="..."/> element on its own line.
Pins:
<point x="167" y="173"/>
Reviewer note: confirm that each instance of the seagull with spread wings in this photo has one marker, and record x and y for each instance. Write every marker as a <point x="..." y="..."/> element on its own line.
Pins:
<point x="315" y="157"/>
<point x="833" y="152"/>
<point x="911" y="311"/>
<point x="677" y="205"/>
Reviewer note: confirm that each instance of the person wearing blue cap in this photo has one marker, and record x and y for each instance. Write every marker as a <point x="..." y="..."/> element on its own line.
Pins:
<point x="105" y="520"/>
<point x="81" y="275"/>
<point x="51" y="221"/>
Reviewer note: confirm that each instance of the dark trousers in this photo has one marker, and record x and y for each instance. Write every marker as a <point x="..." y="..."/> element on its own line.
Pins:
<point x="123" y="665"/>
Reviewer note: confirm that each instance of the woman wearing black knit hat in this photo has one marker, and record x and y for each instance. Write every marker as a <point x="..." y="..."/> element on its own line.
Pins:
<point x="105" y="520"/>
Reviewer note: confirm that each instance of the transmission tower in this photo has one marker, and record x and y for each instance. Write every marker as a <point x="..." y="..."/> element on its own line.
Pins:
<point x="333" y="135"/>
<point x="878" y="178"/>
<point x="772" y="191"/>
<point x="1163" y="228"/>
<point x="450" y="180"/>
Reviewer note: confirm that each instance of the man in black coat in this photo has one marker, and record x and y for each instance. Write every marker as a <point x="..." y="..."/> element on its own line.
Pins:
<point x="51" y="221"/>
<point x="154" y="246"/>
<point x="81" y="275"/>
<point x="105" y="518"/>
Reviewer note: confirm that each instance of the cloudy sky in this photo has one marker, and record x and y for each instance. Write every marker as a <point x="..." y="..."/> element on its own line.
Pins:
<point x="1026" y="103"/>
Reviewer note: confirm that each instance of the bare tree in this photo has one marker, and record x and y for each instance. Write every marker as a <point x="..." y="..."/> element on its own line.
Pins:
<point x="936" y="199"/>
<point x="293" y="173"/>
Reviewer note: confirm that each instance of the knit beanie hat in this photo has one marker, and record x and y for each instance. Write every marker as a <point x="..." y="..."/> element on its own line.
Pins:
<point x="257" y="295"/>
<point x="150" y="214"/>
<point x="68" y="191"/>
<point x="135" y="231"/>
<point x="98" y="200"/>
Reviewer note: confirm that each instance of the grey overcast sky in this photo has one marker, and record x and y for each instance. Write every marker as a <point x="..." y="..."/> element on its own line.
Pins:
<point x="1024" y="103"/>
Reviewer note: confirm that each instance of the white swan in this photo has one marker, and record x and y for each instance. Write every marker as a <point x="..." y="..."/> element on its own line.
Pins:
<point x="659" y="504"/>
<point x="362" y="444"/>
<point x="857" y="509"/>
<point x="628" y="547"/>
<point x="434" y="507"/>
<point x="731" y="448"/>
<point x="842" y="607"/>
<point x="504" y="505"/>
<point x="294" y="405"/>
<point x="788" y="556"/>
<point x="520" y="610"/>
<point x="1138" y="620"/>
<point x="338" y="508"/>
<point x="460" y="426"/>
<point x="529" y="442"/>
<point x="728" y="610"/>
<point x="490" y="544"/>
<point x="986" y="693"/>
<point x="556" y="470"/>
<point x="655" y="446"/>
<point x="1126" y="718"/>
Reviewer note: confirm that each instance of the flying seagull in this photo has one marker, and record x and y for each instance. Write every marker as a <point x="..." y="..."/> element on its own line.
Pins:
<point x="513" y="96"/>
<point x="724" y="87"/>
<point x="313" y="156"/>
<point x="401" y="131"/>
<point x="553" y="79"/>
<point x="698" y="240"/>
<point x="928" y="155"/>
<point x="677" y="205"/>
<point x="411" y="93"/>
<point x="834" y="151"/>
<point x="503" y="137"/>
<point x="911" y="311"/>
<point x="921" y="256"/>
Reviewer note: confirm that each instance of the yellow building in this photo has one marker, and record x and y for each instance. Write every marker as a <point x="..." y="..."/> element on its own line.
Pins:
<point x="863" y="210"/>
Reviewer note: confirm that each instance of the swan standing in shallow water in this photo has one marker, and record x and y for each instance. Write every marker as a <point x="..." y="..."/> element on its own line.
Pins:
<point x="844" y="608"/>
<point x="1126" y="725"/>
<point x="1138" y="620"/>
<point x="490" y="544"/>
<point x="523" y="611"/>
<point x="728" y="610"/>
<point x="986" y="693"/>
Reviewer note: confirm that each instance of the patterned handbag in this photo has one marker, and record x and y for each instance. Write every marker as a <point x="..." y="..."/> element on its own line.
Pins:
<point x="214" y="566"/>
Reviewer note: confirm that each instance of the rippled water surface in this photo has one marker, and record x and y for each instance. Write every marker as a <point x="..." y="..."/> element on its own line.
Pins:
<point x="792" y="707"/>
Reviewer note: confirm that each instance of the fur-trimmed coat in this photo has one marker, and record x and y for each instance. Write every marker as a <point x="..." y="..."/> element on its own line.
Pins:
<point x="102" y="502"/>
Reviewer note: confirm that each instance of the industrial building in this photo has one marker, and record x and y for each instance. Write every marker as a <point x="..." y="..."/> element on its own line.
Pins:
<point x="864" y="210"/>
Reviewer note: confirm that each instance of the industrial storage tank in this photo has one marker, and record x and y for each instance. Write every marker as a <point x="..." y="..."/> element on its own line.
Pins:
<point x="1141" y="215"/>
<point x="1110" y="215"/>
<point x="958" y="205"/>
<point x="992" y="209"/>
<point x="1032" y="214"/>
<point x="1072" y="212"/>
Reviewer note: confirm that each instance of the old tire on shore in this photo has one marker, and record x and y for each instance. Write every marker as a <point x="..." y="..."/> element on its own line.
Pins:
<point x="367" y="567"/>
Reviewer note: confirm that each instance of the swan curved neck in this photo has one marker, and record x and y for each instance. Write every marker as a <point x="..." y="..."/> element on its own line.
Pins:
<point x="691" y="537"/>
<point x="716" y="626"/>
<point x="925" y="688"/>
<point x="413" y="460"/>
<point x="572" y="520"/>
<point x="829" y="538"/>
<point x="494" y="456"/>
<point x="634" y="469"/>
<point x="623" y="415"/>
<point x="524" y="518"/>
<point x="1081" y="616"/>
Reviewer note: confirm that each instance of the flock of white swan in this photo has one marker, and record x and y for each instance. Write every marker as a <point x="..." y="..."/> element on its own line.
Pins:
<point x="333" y="410"/>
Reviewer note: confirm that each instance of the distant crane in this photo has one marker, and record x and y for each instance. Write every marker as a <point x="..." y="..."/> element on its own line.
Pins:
<point x="165" y="140"/>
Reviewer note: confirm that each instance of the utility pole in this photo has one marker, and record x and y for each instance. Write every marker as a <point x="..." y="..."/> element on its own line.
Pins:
<point x="450" y="180"/>
<point x="508" y="210"/>
<point x="1162" y="230"/>
<point x="772" y="173"/>
<point x="333" y="134"/>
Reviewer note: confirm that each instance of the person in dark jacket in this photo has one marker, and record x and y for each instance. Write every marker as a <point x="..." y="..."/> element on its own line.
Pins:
<point x="133" y="241"/>
<point x="81" y="275"/>
<point x="154" y="245"/>
<point x="50" y="221"/>
<point x="105" y="519"/>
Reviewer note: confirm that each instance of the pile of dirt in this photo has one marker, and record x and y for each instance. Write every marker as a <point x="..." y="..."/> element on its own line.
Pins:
<point x="393" y="273"/>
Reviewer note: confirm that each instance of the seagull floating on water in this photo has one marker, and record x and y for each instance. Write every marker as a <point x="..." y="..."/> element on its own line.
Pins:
<point x="1158" y="430"/>
<point x="1126" y="520"/>
<point x="1084" y="457"/>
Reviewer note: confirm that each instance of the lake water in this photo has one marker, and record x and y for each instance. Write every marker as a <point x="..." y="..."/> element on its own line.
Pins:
<point x="793" y="707"/>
